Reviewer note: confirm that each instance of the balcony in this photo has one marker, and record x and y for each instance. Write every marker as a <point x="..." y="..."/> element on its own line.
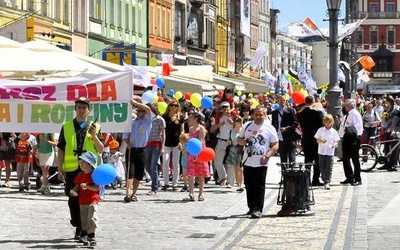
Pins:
<point x="382" y="74"/>
<point x="379" y="15"/>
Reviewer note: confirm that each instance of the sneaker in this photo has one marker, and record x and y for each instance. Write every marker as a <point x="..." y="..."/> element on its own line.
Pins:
<point x="327" y="186"/>
<point x="92" y="241"/>
<point x="256" y="215"/>
<point x="21" y="189"/>
<point x="151" y="193"/>
<point x="26" y="187"/>
<point x="184" y="189"/>
<point x="164" y="187"/>
<point x="84" y="240"/>
<point x="6" y="184"/>
<point x="40" y="190"/>
<point x="239" y="190"/>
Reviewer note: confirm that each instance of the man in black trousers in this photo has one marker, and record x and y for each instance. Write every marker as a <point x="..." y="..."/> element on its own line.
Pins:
<point x="285" y="123"/>
<point x="310" y="121"/>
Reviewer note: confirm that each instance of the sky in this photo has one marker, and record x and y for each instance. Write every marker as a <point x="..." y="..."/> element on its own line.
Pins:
<point x="296" y="10"/>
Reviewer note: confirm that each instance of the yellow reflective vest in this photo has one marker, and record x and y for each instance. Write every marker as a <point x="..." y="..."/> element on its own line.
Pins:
<point x="71" y="160"/>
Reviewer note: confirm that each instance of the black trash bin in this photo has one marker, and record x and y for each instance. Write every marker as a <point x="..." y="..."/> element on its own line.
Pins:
<point x="295" y="193"/>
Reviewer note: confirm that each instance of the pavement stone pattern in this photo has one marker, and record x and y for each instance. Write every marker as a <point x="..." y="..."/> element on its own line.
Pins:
<point x="346" y="217"/>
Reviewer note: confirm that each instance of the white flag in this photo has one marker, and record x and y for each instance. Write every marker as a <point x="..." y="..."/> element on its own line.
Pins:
<point x="362" y="76"/>
<point x="270" y="80"/>
<point x="255" y="61"/>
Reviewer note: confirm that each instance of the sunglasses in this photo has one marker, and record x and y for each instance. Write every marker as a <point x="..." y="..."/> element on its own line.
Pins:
<point x="139" y="110"/>
<point x="173" y="105"/>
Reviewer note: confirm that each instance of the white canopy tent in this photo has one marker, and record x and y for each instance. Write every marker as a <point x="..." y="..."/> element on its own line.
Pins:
<point x="40" y="60"/>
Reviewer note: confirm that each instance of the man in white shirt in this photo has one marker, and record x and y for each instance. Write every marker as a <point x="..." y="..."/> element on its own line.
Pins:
<point x="261" y="142"/>
<point x="225" y="125"/>
<point x="353" y="129"/>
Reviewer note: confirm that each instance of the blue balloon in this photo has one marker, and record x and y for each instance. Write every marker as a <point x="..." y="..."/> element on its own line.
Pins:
<point x="283" y="91"/>
<point x="160" y="83"/>
<point x="147" y="97"/>
<point x="194" y="146"/>
<point x="277" y="91"/>
<point x="171" y="92"/>
<point x="104" y="174"/>
<point x="275" y="106"/>
<point x="207" y="102"/>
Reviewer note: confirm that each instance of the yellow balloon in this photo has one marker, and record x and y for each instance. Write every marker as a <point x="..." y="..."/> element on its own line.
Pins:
<point x="155" y="99"/>
<point x="287" y="96"/>
<point x="195" y="100"/>
<point x="254" y="103"/>
<point x="251" y="95"/>
<point x="162" y="107"/>
<point x="178" y="95"/>
<point x="239" y="93"/>
<point x="153" y="62"/>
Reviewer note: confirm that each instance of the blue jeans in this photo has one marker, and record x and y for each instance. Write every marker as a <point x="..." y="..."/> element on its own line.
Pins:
<point x="152" y="157"/>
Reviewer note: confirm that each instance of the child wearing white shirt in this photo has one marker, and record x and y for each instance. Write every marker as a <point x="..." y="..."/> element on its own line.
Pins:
<point x="327" y="138"/>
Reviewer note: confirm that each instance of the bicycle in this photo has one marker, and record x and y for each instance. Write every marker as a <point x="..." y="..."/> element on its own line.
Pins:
<point x="371" y="155"/>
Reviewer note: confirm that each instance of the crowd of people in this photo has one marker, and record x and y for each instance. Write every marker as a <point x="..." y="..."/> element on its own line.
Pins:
<point x="243" y="136"/>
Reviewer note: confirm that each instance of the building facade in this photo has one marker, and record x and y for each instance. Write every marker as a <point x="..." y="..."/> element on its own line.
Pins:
<point x="378" y="37"/>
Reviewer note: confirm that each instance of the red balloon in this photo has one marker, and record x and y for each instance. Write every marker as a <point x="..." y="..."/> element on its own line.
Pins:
<point x="153" y="81"/>
<point x="187" y="96"/>
<point x="260" y="97"/>
<point x="298" y="98"/>
<point x="207" y="154"/>
<point x="234" y="113"/>
<point x="160" y="99"/>
<point x="230" y="100"/>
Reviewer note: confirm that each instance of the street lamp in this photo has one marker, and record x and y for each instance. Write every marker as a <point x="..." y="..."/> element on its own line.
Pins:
<point x="333" y="95"/>
<point x="348" y="87"/>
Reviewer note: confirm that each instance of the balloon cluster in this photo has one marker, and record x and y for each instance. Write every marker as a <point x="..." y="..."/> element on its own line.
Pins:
<point x="195" y="148"/>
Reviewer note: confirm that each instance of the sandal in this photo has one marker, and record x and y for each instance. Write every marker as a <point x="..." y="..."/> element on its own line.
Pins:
<point x="201" y="198"/>
<point x="127" y="199"/>
<point x="189" y="198"/>
<point x="134" y="198"/>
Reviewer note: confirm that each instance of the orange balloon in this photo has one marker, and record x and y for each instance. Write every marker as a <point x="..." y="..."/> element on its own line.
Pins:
<point x="187" y="96"/>
<point x="298" y="98"/>
<point x="160" y="99"/>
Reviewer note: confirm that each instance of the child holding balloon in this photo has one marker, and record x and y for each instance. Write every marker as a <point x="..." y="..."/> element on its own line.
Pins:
<point x="183" y="139"/>
<point x="89" y="198"/>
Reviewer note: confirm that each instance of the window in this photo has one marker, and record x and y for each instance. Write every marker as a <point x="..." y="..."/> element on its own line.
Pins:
<point x="119" y="13"/>
<point x="390" y="35"/>
<point x="159" y="21"/>
<point x="79" y="16"/>
<point x="151" y="19"/>
<point x="43" y="8"/>
<point x="168" y="22"/>
<point x="359" y="37"/>
<point x="390" y="7"/>
<point x="127" y="16"/>
<point x="95" y="9"/>
<point x="374" y="7"/>
<point x="66" y="12"/>
<point x="133" y="18"/>
<point x="57" y="9"/>
<point x="139" y="18"/>
<point x="374" y="35"/>
<point x="112" y="11"/>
